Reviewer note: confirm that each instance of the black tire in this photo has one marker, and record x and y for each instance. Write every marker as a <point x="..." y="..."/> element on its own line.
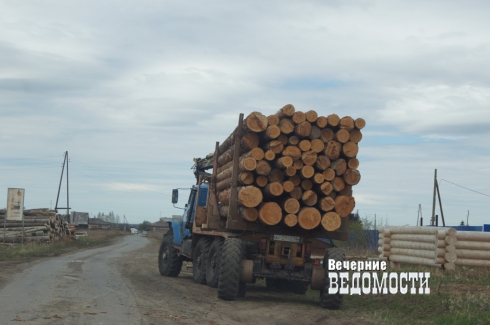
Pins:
<point x="299" y="287"/>
<point x="229" y="272"/>
<point x="331" y="301"/>
<point x="199" y="260"/>
<point x="242" y="289"/>
<point x="169" y="262"/>
<point x="214" y="262"/>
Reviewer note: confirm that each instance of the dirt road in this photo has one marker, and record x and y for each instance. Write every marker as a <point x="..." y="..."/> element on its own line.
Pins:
<point x="120" y="284"/>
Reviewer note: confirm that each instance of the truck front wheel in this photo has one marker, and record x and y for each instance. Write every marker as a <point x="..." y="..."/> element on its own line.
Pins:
<point x="169" y="262"/>
<point x="199" y="260"/>
<point x="229" y="272"/>
<point x="331" y="301"/>
<point x="214" y="262"/>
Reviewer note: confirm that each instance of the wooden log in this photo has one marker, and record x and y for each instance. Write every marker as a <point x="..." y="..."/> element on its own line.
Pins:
<point x="275" y="175"/>
<point x="342" y="136"/>
<point x="296" y="193"/>
<point x="272" y="132"/>
<point x="261" y="180"/>
<point x="360" y="123"/>
<point x="353" y="163"/>
<point x="298" y="164"/>
<point x="450" y="257"/>
<point x="355" y="136"/>
<point x="326" y="188"/>
<point x="327" y="135"/>
<point x="290" y="220"/>
<point x="418" y="230"/>
<point x="331" y="221"/>
<point x="317" y="145"/>
<point x="339" y="166"/>
<point x="288" y="186"/>
<point x="248" y="141"/>
<point x="347" y="123"/>
<point x="326" y="204"/>
<point x="473" y="254"/>
<point x="333" y="150"/>
<point x="247" y="164"/>
<point x="309" y="157"/>
<point x="450" y="240"/>
<point x="315" y="133"/>
<point x="329" y="174"/>
<point x="322" y="122"/>
<point x="307" y="171"/>
<point x="270" y="213"/>
<point x="31" y="220"/>
<point x="352" y="176"/>
<point x="293" y="140"/>
<point x="412" y="245"/>
<point x="296" y="180"/>
<point x="304" y="145"/>
<point x="333" y="120"/>
<point x="293" y="152"/>
<point x="290" y="205"/>
<point x="309" y="218"/>
<point x="274" y="145"/>
<point x="248" y="196"/>
<point x="290" y="171"/>
<point x="298" y="117"/>
<point x="474" y="245"/>
<point x="255" y="153"/>
<point x="284" y="162"/>
<point x="413" y="260"/>
<point x="286" y="126"/>
<point x="249" y="214"/>
<point x="26" y="224"/>
<point x="344" y="205"/>
<point x="322" y="162"/>
<point x="413" y="252"/>
<point x="226" y="157"/>
<point x="350" y="149"/>
<point x="318" y="178"/>
<point x="347" y="190"/>
<point x="303" y="129"/>
<point x="286" y="111"/>
<point x="311" y="116"/>
<point x="309" y="198"/>
<point x="283" y="139"/>
<point x="471" y="262"/>
<point x="273" y="189"/>
<point x="418" y="238"/>
<point x="273" y="120"/>
<point x="256" y="122"/>
<point x="306" y="184"/>
<point x="226" y="166"/>
<point x="338" y="184"/>
<point x="473" y="236"/>
<point x="269" y="155"/>
<point x="263" y="168"/>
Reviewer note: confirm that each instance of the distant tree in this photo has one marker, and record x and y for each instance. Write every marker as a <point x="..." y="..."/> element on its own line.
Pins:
<point x="461" y="223"/>
<point x="145" y="225"/>
<point x="118" y="219"/>
<point x="355" y="217"/>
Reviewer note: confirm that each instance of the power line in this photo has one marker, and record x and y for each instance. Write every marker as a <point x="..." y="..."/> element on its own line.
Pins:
<point x="465" y="187"/>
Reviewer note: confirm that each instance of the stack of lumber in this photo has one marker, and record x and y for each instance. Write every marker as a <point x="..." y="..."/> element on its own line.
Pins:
<point x="472" y="248"/>
<point x="42" y="225"/>
<point x="295" y="168"/>
<point x="431" y="246"/>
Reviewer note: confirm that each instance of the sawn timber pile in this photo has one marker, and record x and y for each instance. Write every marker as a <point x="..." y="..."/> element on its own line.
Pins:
<point x="39" y="225"/>
<point x="295" y="167"/>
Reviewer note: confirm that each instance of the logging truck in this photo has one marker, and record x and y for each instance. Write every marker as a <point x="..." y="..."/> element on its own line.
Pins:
<point x="243" y="221"/>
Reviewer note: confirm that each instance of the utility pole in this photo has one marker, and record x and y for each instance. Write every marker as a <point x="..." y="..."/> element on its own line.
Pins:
<point x="67" y="208"/>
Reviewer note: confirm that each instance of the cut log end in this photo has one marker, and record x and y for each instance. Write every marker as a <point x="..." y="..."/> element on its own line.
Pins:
<point x="344" y="205"/>
<point x="331" y="221"/>
<point x="309" y="218"/>
<point x="270" y="213"/>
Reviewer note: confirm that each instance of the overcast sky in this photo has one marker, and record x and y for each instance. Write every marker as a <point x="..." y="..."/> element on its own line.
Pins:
<point x="135" y="90"/>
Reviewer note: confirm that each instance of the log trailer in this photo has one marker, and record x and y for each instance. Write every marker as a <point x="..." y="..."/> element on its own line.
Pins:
<point x="228" y="251"/>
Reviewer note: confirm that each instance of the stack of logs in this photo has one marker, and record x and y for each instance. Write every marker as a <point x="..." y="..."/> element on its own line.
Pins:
<point x="431" y="246"/>
<point x="295" y="167"/>
<point x="42" y="225"/>
<point x="472" y="248"/>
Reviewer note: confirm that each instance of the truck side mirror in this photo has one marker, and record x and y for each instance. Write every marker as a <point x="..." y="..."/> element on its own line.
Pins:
<point x="175" y="196"/>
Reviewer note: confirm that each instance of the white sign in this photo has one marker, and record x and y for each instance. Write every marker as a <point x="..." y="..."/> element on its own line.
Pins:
<point x="15" y="204"/>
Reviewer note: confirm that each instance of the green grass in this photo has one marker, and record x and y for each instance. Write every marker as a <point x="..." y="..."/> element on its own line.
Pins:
<point x="20" y="252"/>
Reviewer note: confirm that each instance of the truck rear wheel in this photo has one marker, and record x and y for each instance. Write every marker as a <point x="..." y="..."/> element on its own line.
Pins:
<point x="214" y="262"/>
<point x="169" y="262"/>
<point x="229" y="272"/>
<point x="199" y="260"/>
<point x="331" y="301"/>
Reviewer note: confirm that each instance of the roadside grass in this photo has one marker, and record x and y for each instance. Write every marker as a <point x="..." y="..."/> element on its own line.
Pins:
<point x="155" y="235"/>
<point x="16" y="252"/>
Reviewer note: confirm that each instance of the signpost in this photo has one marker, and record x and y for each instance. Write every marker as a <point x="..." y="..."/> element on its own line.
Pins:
<point x="15" y="208"/>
